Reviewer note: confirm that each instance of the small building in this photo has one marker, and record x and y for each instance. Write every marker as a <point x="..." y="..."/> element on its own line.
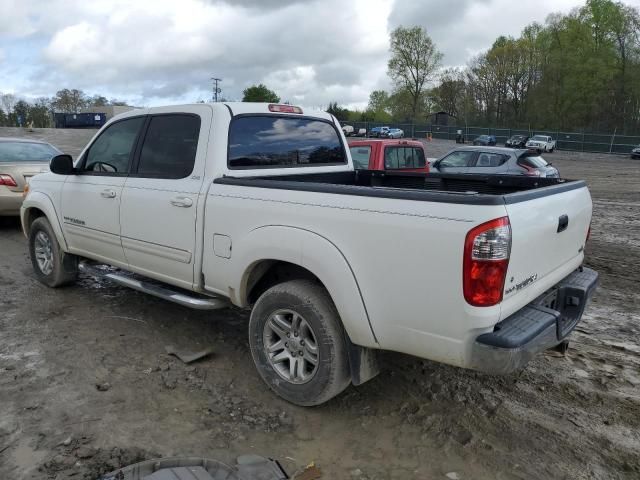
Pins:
<point x="440" y="118"/>
<point x="109" y="110"/>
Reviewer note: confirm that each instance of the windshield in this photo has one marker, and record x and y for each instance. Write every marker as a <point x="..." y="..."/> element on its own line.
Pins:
<point x="360" y="157"/>
<point x="539" y="138"/>
<point x="533" y="162"/>
<point x="26" y="152"/>
<point x="517" y="137"/>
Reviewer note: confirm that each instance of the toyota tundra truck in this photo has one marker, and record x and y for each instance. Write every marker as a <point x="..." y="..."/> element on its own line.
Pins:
<point x="258" y="206"/>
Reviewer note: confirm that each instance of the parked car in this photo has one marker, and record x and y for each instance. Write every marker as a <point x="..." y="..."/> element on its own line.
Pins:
<point x="495" y="160"/>
<point x="348" y="130"/>
<point x="377" y="132"/>
<point x="393" y="133"/>
<point x="395" y="155"/>
<point x="517" y="141"/>
<point x="20" y="159"/>
<point x="541" y="143"/>
<point x="635" y="153"/>
<point x="335" y="264"/>
<point x="486" y="140"/>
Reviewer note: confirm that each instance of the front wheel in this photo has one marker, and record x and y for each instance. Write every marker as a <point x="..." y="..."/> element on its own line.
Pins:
<point x="52" y="266"/>
<point x="298" y="344"/>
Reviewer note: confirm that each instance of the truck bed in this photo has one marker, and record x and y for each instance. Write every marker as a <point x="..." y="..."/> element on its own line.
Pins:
<point x="432" y="187"/>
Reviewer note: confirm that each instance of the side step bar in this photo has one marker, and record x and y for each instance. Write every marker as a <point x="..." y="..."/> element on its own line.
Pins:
<point x="198" y="303"/>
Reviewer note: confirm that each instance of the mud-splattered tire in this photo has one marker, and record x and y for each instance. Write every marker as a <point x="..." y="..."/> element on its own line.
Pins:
<point x="296" y="321"/>
<point x="52" y="266"/>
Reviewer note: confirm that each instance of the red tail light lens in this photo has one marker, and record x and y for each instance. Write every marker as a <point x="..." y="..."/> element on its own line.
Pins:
<point x="486" y="258"/>
<point x="7" y="180"/>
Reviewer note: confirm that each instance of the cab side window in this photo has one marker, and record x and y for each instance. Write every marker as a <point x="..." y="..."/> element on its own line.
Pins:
<point x="169" y="147"/>
<point x="110" y="154"/>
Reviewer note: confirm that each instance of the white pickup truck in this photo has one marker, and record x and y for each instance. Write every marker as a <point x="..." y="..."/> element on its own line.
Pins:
<point x="259" y="206"/>
<point x="541" y="143"/>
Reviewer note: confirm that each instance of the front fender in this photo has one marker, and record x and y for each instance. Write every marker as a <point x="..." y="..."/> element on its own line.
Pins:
<point x="42" y="202"/>
<point x="315" y="253"/>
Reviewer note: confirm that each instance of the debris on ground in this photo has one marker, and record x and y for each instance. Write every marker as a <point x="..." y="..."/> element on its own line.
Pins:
<point x="187" y="356"/>
<point x="103" y="386"/>
<point x="310" y="472"/>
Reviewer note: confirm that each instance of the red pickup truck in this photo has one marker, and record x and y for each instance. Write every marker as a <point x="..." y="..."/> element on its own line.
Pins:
<point x="405" y="155"/>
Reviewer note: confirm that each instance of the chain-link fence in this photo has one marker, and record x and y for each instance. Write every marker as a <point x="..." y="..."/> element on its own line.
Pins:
<point x="575" y="141"/>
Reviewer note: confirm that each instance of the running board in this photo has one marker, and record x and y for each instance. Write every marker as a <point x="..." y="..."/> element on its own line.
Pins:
<point x="198" y="303"/>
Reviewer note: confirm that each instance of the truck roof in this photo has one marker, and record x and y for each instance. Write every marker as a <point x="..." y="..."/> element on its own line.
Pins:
<point x="235" y="108"/>
<point x="386" y="141"/>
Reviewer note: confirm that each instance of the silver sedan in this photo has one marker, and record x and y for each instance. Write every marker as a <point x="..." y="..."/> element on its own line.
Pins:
<point x="20" y="159"/>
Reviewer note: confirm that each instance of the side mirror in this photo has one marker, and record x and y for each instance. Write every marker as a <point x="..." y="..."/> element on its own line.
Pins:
<point x="61" y="164"/>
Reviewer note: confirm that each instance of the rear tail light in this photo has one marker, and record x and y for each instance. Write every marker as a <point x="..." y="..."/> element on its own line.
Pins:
<point x="530" y="171"/>
<point x="284" y="108"/>
<point x="486" y="258"/>
<point x="7" y="180"/>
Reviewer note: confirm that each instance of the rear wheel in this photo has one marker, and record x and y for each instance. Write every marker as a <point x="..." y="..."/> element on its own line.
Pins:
<point x="52" y="266"/>
<point x="298" y="344"/>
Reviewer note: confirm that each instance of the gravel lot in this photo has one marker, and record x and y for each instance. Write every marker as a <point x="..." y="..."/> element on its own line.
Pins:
<point x="569" y="417"/>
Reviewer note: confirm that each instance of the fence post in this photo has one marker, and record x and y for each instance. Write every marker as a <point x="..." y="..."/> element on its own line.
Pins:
<point x="583" y="140"/>
<point x="613" y="139"/>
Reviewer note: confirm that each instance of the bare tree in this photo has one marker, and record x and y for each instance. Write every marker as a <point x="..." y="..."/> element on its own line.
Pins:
<point x="8" y="101"/>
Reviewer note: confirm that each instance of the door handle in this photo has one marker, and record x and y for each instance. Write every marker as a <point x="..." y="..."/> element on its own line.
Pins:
<point x="108" y="193"/>
<point x="184" y="202"/>
<point x="563" y="223"/>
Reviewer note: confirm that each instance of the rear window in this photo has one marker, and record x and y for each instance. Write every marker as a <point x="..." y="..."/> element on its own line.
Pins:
<point x="267" y="141"/>
<point x="403" y="157"/>
<point x="532" y="162"/>
<point x="26" y="152"/>
<point x="360" y="157"/>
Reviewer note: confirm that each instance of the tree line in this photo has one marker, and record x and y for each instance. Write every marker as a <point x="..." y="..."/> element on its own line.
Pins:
<point x="38" y="113"/>
<point x="578" y="71"/>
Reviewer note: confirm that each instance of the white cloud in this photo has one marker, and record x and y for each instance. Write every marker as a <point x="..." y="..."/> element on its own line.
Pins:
<point x="310" y="52"/>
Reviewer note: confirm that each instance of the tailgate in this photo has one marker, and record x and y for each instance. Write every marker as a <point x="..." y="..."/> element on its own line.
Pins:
<point x="548" y="238"/>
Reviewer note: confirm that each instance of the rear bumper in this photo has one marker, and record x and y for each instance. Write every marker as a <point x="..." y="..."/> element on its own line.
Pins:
<point x="541" y="325"/>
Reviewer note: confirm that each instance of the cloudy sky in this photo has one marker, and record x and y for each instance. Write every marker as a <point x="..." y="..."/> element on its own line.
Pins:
<point x="154" y="52"/>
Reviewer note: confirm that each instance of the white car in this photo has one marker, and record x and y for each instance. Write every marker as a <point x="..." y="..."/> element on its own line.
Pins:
<point x="541" y="143"/>
<point x="348" y="130"/>
<point x="258" y="206"/>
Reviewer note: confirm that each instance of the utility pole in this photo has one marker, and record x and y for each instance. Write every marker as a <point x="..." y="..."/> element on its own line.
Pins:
<point x="216" y="90"/>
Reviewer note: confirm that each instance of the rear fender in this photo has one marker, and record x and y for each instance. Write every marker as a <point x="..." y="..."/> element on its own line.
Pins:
<point x="315" y="253"/>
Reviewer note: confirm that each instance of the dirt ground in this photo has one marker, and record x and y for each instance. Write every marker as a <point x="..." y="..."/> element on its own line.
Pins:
<point x="85" y="384"/>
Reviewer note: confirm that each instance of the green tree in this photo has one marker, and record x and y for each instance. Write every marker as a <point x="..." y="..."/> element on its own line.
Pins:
<point x="69" y="101"/>
<point x="21" y="113"/>
<point x="414" y="62"/>
<point x="342" y="114"/>
<point x="259" y="93"/>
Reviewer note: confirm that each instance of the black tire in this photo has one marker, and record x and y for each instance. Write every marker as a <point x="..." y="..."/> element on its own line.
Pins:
<point x="551" y="151"/>
<point x="64" y="269"/>
<point x="312" y="302"/>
